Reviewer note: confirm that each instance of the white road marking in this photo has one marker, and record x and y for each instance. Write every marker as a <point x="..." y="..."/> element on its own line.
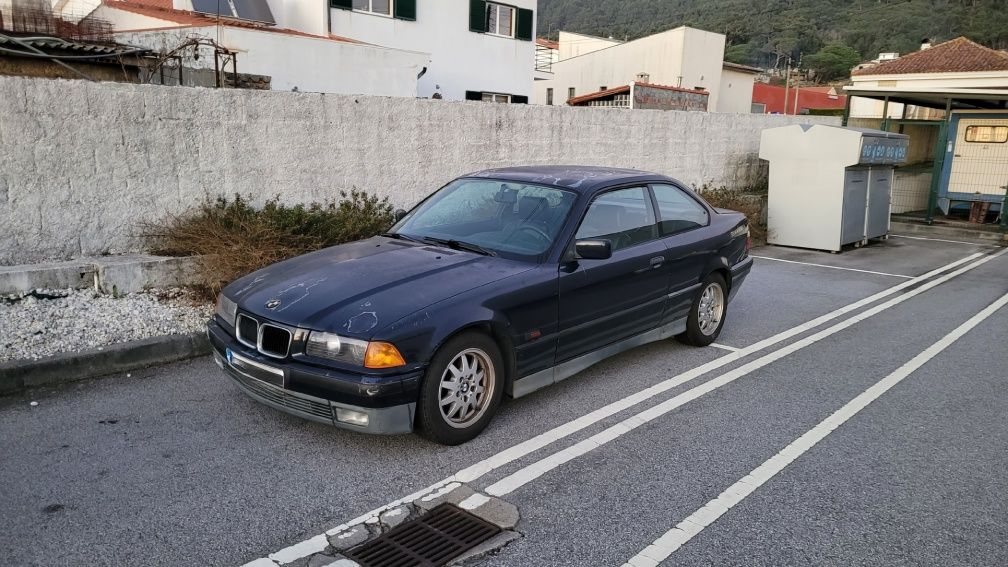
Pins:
<point x="936" y="239"/>
<point x="533" y="471"/>
<point x="474" y="501"/>
<point x="528" y="446"/>
<point x="833" y="267"/>
<point x="693" y="524"/>
<point x="724" y="347"/>
<point x="305" y="548"/>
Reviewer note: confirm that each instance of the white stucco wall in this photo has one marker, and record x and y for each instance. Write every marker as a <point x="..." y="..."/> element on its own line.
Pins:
<point x="308" y="16"/>
<point x="574" y="44"/>
<point x="106" y="157"/>
<point x="682" y="56"/>
<point x="308" y="63"/>
<point x="735" y="92"/>
<point x="461" y="60"/>
<point x="123" y="20"/>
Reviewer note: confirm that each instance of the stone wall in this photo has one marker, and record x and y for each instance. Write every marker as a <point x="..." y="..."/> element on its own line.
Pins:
<point x="83" y="165"/>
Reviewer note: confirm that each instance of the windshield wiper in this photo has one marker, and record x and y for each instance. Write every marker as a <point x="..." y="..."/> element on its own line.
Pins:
<point x="400" y="236"/>
<point x="460" y="245"/>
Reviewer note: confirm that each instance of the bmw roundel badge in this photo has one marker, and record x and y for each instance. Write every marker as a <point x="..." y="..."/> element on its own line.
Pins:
<point x="273" y="304"/>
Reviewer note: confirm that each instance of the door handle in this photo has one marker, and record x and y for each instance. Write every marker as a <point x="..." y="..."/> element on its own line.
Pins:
<point x="657" y="261"/>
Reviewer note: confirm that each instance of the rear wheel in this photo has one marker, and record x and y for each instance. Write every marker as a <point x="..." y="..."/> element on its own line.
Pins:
<point x="462" y="389"/>
<point x="707" y="314"/>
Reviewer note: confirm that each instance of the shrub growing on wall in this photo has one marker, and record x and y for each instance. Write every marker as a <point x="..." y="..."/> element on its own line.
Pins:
<point x="750" y="201"/>
<point x="233" y="237"/>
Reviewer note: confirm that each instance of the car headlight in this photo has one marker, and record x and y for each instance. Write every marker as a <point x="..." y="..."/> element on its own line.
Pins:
<point x="353" y="351"/>
<point x="226" y="309"/>
<point x="335" y="347"/>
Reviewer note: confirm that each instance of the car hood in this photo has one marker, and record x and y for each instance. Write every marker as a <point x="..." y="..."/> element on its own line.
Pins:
<point x="354" y="289"/>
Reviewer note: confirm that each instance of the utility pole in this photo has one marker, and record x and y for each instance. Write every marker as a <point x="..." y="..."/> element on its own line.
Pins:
<point x="787" y="83"/>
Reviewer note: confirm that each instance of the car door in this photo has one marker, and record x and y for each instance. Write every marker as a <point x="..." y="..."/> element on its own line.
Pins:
<point x="603" y="301"/>
<point x="683" y="223"/>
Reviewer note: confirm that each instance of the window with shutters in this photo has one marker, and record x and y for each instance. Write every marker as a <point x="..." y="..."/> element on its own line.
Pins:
<point x="383" y="7"/>
<point x="500" y="19"/>
<point x="496" y="97"/>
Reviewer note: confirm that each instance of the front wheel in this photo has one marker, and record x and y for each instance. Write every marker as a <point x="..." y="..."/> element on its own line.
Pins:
<point x="707" y="314"/>
<point x="462" y="389"/>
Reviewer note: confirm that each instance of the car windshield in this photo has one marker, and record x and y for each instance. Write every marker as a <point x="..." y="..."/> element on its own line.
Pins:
<point x="489" y="216"/>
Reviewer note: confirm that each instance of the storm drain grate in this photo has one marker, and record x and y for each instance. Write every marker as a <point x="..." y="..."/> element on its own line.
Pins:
<point x="428" y="541"/>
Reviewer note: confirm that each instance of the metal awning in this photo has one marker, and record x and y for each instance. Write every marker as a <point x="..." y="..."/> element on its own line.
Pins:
<point x="985" y="99"/>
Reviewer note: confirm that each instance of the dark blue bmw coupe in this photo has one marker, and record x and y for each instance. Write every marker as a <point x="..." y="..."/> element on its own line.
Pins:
<point x="502" y="282"/>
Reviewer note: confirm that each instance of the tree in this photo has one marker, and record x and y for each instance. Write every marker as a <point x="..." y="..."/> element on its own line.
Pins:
<point x="834" y="61"/>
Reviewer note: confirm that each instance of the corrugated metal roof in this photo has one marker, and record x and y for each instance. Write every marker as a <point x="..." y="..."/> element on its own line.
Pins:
<point x="49" y="44"/>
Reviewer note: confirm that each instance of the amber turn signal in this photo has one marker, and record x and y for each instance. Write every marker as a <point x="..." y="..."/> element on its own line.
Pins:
<point x="382" y="355"/>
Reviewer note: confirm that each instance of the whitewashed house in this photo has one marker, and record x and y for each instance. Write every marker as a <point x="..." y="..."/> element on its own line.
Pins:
<point x="285" y="40"/>
<point x="479" y="50"/>
<point x="683" y="57"/>
<point x="450" y="49"/>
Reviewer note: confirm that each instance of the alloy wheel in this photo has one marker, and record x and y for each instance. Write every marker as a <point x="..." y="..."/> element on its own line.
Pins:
<point x="467" y="386"/>
<point x="711" y="309"/>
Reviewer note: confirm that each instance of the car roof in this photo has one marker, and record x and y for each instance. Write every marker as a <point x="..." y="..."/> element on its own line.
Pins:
<point x="581" y="178"/>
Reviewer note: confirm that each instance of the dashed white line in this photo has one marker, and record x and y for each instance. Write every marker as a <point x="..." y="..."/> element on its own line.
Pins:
<point x="935" y="239"/>
<point x="724" y="347"/>
<point x="833" y="267"/>
<point x="693" y="524"/>
<point x="533" y="471"/>
<point x="544" y="439"/>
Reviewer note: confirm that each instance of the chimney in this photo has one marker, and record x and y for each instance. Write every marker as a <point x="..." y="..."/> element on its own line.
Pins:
<point x="925" y="44"/>
<point x="643" y="78"/>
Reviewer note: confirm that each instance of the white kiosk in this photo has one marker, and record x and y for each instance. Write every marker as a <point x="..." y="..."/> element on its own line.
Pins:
<point x="829" y="186"/>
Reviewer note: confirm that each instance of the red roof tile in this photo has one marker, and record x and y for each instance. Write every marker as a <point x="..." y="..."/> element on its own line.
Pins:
<point x="547" y="43"/>
<point x="625" y="89"/>
<point x="597" y="95"/>
<point x="154" y="9"/>
<point x="959" y="55"/>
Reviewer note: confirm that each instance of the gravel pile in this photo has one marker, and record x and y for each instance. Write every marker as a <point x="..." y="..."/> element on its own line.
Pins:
<point x="46" y="322"/>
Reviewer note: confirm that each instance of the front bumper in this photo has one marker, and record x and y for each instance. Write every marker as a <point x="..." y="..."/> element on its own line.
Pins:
<point x="320" y="395"/>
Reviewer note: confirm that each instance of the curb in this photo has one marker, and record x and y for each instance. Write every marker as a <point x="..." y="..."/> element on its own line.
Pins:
<point x="18" y="375"/>
<point x="979" y="236"/>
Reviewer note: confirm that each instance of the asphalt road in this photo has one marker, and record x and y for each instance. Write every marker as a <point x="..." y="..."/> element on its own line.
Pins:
<point x="174" y="466"/>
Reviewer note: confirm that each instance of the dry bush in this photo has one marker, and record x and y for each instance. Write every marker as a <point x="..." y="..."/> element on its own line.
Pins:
<point x="741" y="200"/>
<point x="234" y="238"/>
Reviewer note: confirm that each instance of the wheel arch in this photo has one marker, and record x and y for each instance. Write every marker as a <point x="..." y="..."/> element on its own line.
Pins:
<point x="719" y="266"/>
<point x="497" y="332"/>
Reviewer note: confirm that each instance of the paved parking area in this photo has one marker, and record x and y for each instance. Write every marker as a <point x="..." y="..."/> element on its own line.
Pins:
<point x="175" y="466"/>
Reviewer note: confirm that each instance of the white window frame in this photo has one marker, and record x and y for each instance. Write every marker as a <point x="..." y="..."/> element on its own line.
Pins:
<point x="391" y="9"/>
<point x="514" y="18"/>
<point x="495" y="96"/>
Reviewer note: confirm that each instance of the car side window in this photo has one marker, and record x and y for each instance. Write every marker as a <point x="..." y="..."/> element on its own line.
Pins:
<point x="624" y="217"/>
<point x="678" y="211"/>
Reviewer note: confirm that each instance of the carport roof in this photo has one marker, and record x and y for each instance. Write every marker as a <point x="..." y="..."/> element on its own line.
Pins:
<point x="993" y="99"/>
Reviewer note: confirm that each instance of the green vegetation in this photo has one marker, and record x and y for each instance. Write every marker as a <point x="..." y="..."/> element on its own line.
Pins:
<point x="767" y="33"/>
<point x="833" y="61"/>
<point x="750" y="201"/>
<point x="233" y="238"/>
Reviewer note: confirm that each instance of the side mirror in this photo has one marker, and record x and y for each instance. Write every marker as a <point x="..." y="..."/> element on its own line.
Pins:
<point x="594" y="249"/>
<point x="399" y="214"/>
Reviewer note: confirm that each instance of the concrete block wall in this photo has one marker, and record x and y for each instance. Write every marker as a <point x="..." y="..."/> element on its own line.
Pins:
<point x="84" y="165"/>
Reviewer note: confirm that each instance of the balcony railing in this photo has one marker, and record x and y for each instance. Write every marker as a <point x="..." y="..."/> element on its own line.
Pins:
<point x="543" y="59"/>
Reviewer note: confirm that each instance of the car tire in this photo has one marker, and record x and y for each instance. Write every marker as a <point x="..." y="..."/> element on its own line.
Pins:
<point x="450" y="410"/>
<point x="707" y="313"/>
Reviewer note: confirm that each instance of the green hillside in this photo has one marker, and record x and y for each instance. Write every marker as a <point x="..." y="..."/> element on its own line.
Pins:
<point x="766" y="32"/>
